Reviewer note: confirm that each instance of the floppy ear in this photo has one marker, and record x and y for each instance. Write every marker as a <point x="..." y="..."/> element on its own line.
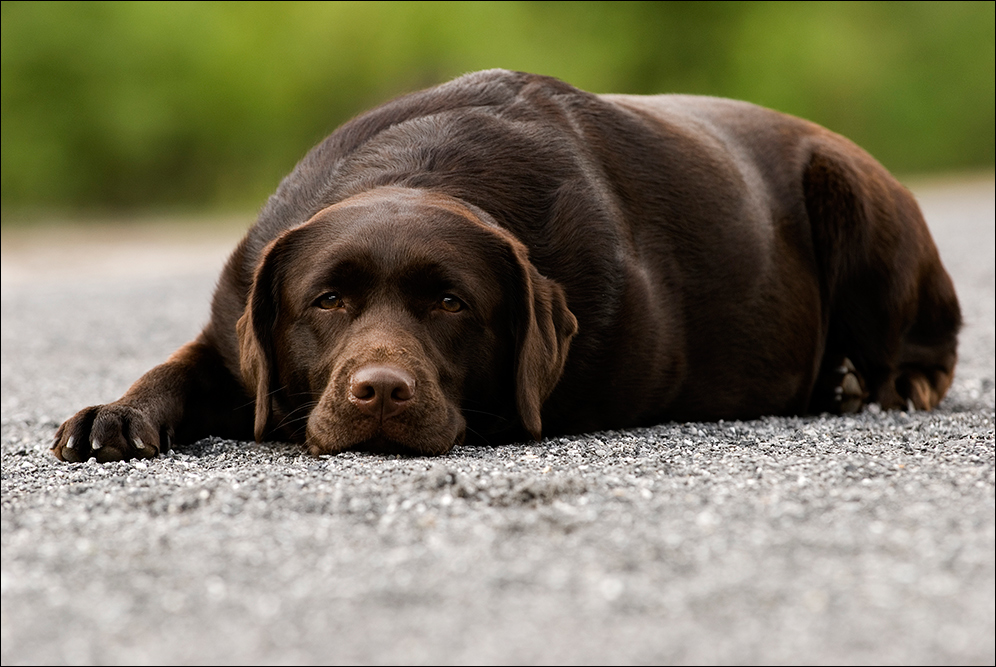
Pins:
<point x="544" y="332"/>
<point x="255" y="331"/>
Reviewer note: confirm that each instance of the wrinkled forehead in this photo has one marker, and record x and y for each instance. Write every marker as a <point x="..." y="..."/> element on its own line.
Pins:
<point x="399" y="201"/>
<point x="392" y="232"/>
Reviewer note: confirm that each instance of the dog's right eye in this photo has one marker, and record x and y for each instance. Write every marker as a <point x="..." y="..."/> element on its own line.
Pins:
<point x="450" y="304"/>
<point x="330" y="301"/>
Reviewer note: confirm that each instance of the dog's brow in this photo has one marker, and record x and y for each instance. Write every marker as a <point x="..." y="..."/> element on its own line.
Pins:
<point x="424" y="276"/>
<point x="351" y="272"/>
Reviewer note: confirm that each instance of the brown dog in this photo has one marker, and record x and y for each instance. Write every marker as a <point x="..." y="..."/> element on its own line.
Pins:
<point x="505" y="255"/>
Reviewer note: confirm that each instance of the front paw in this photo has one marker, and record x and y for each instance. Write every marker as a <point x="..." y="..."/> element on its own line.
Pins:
<point x="850" y="394"/>
<point x="112" y="432"/>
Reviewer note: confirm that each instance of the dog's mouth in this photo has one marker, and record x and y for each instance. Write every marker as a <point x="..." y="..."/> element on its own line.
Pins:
<point x="326" y="436"/>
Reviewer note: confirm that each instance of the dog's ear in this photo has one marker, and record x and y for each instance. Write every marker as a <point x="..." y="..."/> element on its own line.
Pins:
<point x="544" y="329"/>
<point x="255" y="330"/>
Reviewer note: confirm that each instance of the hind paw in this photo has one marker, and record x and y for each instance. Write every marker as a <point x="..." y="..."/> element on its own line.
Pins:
<point x="915" y="389"/>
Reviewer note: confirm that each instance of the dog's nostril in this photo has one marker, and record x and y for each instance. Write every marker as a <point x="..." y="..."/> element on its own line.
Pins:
<point x="403" y="392"/>
<point x="363" y="391"/>
<point x="381" y="390"/>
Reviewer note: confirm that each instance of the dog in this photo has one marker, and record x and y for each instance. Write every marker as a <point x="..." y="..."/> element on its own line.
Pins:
<point x="505" y="256"/>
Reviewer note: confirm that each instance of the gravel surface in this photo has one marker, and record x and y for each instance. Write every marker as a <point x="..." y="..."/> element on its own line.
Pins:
<point x="823" y="540"/>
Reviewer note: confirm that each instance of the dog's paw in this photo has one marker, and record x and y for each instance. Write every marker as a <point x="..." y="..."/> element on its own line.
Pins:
<point x="112" y="432"/>
<point x="921" y="393"/>
<point x="915" y="389"/>
<point x="849" y="394"/>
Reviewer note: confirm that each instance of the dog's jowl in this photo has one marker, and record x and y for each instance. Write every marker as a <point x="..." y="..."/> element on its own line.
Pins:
<point x="505" y="256"/>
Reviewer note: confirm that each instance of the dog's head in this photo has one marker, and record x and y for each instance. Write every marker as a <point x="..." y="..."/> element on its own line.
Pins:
<point x="390" y="320"/>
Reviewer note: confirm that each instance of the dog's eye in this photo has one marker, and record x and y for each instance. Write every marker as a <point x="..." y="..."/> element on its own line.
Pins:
<point x="330" y="301"/>
<point x="450" y="304"/>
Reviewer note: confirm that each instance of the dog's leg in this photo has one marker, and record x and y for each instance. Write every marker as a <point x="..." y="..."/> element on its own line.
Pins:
<point x="189" y="396"/>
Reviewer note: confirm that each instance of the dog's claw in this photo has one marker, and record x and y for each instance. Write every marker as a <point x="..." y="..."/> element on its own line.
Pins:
<point x="71" y="444"/>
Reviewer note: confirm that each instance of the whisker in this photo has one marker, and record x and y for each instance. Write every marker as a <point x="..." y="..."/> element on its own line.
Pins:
<point x="487" y="414"/>
<point x="480" y="436"/>
<point x="290" y="417"/>
<point x="272" y="393"/>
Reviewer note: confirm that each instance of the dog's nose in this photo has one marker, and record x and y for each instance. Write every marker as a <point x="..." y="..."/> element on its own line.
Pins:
<point x="381" y="391"/>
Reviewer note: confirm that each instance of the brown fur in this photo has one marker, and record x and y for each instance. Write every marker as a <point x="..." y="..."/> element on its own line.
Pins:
<point x="505" y="256"/>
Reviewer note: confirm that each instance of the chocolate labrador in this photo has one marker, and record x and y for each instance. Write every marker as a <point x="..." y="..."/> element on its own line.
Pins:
<point x="505" y="256"/>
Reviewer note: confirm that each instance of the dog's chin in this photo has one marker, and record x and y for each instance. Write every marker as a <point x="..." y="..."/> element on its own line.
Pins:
<point x="379" y="442"/>
<point x="384" y="445"/>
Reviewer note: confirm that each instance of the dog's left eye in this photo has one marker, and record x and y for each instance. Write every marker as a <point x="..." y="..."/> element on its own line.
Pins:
<point x="330" y="301"/>
<point x="450" y="304"/>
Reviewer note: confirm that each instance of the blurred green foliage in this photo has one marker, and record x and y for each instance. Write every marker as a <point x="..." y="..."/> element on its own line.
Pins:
<point x="122" y="105"/>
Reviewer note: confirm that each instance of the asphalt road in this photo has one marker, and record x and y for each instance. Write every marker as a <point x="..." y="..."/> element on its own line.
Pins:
<point x="823" y="540"/>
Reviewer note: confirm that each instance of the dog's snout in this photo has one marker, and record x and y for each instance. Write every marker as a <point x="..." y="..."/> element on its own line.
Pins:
<point x="381" y="391"/>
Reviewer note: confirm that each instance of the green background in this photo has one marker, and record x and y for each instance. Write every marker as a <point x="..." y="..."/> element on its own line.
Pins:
<point x="120" y="106"/>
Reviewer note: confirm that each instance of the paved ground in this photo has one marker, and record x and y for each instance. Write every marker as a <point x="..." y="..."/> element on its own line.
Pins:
<point x="867" y="539"/>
